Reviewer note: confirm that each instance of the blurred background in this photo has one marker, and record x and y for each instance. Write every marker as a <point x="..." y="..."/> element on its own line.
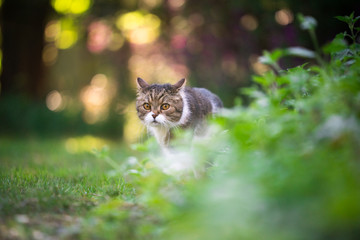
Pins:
<point x="68" y="67"/>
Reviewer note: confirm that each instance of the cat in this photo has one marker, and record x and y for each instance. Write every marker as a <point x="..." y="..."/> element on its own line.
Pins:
<point x="162" y="107"/>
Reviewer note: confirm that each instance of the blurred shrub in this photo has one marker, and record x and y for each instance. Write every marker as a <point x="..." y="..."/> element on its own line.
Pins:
<point x="21" y="117"/>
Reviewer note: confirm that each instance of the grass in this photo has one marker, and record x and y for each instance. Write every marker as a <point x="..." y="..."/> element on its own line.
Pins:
<point x="41" y="182"/>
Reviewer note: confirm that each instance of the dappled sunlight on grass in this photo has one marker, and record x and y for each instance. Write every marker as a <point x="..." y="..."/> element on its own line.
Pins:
<point x="74" y="154"/>
<point x="84" y="144"/>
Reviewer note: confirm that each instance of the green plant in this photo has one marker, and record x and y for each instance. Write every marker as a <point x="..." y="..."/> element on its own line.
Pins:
<point x="285" y="167"/>
<point x="350" y="21"/>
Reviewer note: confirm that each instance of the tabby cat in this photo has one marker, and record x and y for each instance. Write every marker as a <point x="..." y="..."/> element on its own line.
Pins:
<point x="167" y="106"/>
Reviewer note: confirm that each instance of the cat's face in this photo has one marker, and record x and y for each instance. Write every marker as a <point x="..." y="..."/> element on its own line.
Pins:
<point x="159" y="105"/>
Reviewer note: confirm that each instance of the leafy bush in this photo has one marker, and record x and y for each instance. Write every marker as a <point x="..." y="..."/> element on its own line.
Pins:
<point x="285" y="167"/>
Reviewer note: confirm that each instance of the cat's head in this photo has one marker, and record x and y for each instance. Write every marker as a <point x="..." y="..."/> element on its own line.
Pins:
<point x="160" y="105"/>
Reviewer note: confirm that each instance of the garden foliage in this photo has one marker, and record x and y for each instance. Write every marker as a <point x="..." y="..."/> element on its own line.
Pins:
<point x="284" y="167"/>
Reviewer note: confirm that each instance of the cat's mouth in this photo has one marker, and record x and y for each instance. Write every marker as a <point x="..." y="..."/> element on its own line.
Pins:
<point x="154" y="122"/>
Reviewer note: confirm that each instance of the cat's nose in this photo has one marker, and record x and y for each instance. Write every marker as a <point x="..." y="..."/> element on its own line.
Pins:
<point x="154" y="115"/>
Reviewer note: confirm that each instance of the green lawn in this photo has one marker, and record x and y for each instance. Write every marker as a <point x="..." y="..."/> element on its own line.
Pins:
<point x="44" y="188"/>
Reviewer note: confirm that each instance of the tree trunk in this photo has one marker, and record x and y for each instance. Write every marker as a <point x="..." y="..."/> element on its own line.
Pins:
<point x="22" y="26"/>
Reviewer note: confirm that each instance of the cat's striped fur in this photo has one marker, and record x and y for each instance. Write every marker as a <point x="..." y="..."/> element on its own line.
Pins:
<point x="162" y="107"/>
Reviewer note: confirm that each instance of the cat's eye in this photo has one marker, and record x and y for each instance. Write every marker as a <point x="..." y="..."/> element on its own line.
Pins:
<point x="146" y="106"/>
<point x="165" y="106"/>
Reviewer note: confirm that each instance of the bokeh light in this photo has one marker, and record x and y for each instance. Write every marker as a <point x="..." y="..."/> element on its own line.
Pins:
<point x="117" y="41"/>
<point x="180" y="25"/>
<point x="52" y="31"/>
<point x="257" y="66"/>
<point x="54" y="101"/>
<point x="284" y="17"/>
<point x="249" y="22"/>
<point x="49" y="54"/>
<point x="139" y="27"/>
<point x="178" y="41"/>
<point x="99" y="36"/>
<point x="63" y="33"/>
<point x="149" y="4"/>
<point x="68" y="34"/>
<point x="176" y="4"/>
<point x="71" y="6"/>
<point x="67" y="39"/>
<point x="96" y="98"/>
<point x="229" y="65"/>
<point x="196" y="20"/>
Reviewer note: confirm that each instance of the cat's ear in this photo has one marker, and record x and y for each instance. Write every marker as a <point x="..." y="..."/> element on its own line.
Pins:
<point x="141" y="83"/>
<point x="180" y="84"/>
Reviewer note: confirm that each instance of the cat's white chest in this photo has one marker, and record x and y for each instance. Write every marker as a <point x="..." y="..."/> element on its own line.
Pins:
<point x="186" y="110"/>
<point x="161" y="133"/>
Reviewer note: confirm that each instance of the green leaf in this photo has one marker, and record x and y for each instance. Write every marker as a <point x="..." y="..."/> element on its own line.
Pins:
<point x="316" y="69"/>
<point x="341" y="55"/>
<point x="356" y="19"/>
<point x="261" y="80"/>
<point x="271" y="58"/>
<point x="139" y="147"/>
<point x="336" y="45"/>
<point x="352" y="15"/>
<point x="103" y="153"/>
<point x="253" y="92"/>
<point x="340" y="35"/>
<point x="345" y="19"/>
